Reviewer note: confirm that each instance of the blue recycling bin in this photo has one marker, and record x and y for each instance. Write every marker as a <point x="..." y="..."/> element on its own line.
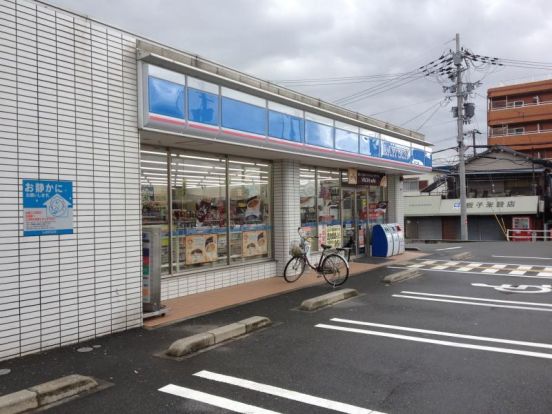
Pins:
<point x="382" y="241"/>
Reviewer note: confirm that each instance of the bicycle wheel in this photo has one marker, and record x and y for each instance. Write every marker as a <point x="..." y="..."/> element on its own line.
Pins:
<point x="294" y="269"/>
<point x="335" y="270"/>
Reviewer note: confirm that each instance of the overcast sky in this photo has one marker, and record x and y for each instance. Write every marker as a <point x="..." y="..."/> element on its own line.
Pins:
<point x="304" y="39"/>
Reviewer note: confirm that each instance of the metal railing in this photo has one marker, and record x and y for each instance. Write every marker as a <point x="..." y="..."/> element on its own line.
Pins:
<point x="513" y="132"/>
<point x="528" y="235"/>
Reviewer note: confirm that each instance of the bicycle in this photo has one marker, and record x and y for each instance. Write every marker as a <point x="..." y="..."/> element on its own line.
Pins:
<point x="333" y="267"/>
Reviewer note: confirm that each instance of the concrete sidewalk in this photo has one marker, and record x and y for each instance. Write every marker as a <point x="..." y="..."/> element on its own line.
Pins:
<point x="191" y="306"/>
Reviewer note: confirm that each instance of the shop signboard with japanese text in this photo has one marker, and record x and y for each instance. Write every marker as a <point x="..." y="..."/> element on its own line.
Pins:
<point x="47" y="207"/>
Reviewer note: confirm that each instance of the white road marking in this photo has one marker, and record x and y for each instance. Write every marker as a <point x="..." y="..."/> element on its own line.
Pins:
<point x="438" y="342"/>
<point x="281" y="392"/>
<point x="472" y="272"/>
<point x="524" y="257"/>
<point x="544" y="274"/>
<point x="451" y="263"/>
<point x="462" y="302"/>
<point x="482" y="263"/>
<point x="518" y="288"/>
<point x="215" y="400"/>
<point x="429" y="261"/>
<point x="464" y="269"/>
<point x="439" y="267"/>
<point x="525" y="267"/>
<point x="479" y="299"/>
<point x="498" y="266"/>
<point x="472" y="265"/>
<point x="518" y="272"/>
<point x="416" y="265"/>
<point x="490" y="270"/>
<point x="441" y="333"/>
<point x="450" y="248"/>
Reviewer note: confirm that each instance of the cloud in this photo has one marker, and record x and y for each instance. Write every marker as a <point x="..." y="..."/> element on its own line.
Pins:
<point x="289" y="39"/>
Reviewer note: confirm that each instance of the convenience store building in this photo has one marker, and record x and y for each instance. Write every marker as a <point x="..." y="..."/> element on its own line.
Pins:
<point x="106" y="134"/>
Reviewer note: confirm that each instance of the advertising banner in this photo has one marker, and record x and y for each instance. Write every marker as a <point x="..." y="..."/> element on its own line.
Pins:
<point x="395" y="152"/>
<point x="333" y="235"/>
<point x="47" y="207"/>
<point x="201" y="248"/>
<point x="254" y="243"/>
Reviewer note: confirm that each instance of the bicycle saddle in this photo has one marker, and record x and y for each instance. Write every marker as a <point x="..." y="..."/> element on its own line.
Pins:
<point x="325" y="246"/>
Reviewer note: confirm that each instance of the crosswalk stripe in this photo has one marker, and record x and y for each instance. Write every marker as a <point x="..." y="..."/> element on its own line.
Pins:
<point x="438" y="341"/>
<point x="499" y="266"/>
<point x="440" y="267"/>
<point x="544" y="274"/>
<point x="284" y="393"/>
<point x="416" y="265"/>
<point x="464" y="269"/>
<point x="525" y="267"/>
<point x="214" y="400"/>
<point x="490" y="270"/>
<point x="517" y="272"/>
<point x="440" y="333"/>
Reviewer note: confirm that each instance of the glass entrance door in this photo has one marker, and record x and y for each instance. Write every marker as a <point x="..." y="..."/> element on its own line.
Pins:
<point x="355" y="220"/>
<point x="363" y="245"/>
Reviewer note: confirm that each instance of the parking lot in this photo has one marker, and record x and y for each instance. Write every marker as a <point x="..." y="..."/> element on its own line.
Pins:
<point x="468" y="335"/>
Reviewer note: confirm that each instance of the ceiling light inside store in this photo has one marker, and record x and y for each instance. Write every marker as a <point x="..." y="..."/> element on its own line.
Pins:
<point x="195" y="157"/>
<point x="153" y="162"/>
<point x="153" y="168"/>
<point x="241" y="162"/>
<point x="152" y="152"/>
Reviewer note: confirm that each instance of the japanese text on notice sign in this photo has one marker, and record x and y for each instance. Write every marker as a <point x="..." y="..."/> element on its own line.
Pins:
<point x="47" y="207"/>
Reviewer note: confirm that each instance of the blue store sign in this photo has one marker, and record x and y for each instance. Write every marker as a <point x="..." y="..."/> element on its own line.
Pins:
<point x="47" y="207"/>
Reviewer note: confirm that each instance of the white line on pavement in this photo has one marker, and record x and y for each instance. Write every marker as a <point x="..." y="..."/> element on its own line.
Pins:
<point x="463" y="302"/>
<point x="440" y="333"/>
<point x="281" y="392"/>
<point x="517" y="302"/>
<point x="433" y="261"/>
<point x="215" y="400"/>
<point x="471" y="273"/>
<point x="438" y="342"/>
<point x="450" y="248"/>
<point x="524" y="257"/>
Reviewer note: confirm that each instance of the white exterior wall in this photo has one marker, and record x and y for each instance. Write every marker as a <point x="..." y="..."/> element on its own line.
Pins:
<point x="287" y="215"/>
<point x="396" y="200"/>
<point x="68" y="110"/>
<point x="197" y="282"/>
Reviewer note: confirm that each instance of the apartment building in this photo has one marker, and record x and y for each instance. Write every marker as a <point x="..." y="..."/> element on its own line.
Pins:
<point x="520" y="117"/>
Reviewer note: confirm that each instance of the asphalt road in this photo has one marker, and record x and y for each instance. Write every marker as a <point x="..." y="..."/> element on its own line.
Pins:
<point x="470" y="335"/>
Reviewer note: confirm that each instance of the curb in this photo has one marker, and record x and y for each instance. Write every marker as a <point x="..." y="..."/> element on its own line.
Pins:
<point x="194" y="343"/>
<point x="402" y="275"/>
<point x="461" y="256"/>
<point x="327" y="299"/>
<point x="45" y="394"/>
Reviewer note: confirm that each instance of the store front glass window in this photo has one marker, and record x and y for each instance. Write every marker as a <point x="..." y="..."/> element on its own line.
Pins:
<point x="377" y="205"/>
<point x="329" y="220"/>
<point x="155" y="204"/>
<point x="250" y="227"/>
<point x="307" y="191"/>
<point x="198" y="185"/>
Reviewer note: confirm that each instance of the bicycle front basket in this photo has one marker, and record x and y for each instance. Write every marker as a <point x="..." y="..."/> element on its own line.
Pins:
<point x="295" y="250"/>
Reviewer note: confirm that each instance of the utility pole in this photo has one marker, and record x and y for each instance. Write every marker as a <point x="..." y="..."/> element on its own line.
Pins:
<point x="457" y="59"/>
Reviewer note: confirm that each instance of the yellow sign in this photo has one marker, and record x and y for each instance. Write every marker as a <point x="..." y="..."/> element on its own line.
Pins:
<point x="352" y="176"/>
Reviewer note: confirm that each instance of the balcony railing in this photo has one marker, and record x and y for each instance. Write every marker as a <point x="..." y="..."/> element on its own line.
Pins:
<point x="507" y="132"/>
<point x="503" y="105"/>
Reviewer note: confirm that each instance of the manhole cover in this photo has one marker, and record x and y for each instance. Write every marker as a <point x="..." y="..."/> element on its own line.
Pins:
<point x="85" y="349"/>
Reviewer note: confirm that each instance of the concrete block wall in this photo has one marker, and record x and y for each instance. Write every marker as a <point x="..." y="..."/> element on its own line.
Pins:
<point x="286" y="210"/>
<point x="68" y="111"/>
